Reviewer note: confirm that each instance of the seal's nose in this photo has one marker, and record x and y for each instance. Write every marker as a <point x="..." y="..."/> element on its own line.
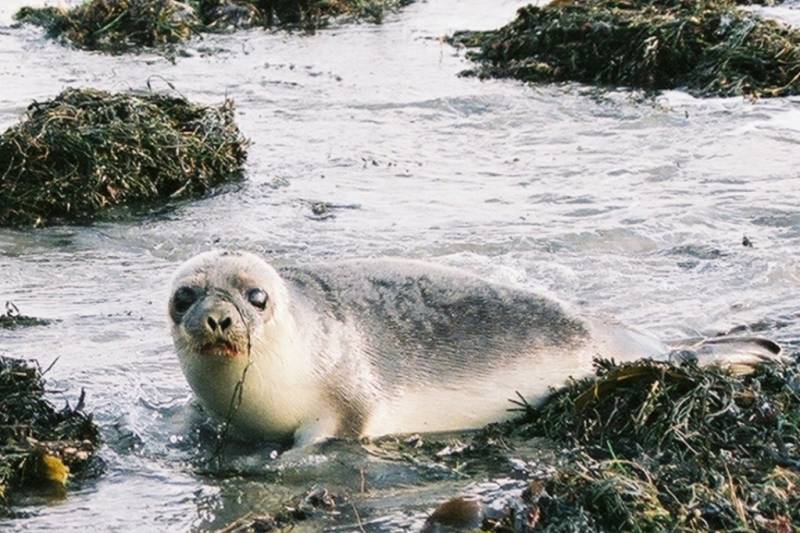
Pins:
<point x="219" y="323"/>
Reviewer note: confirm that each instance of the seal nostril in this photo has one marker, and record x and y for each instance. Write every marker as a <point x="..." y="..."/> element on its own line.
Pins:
<point x="211" y="323"/>
<point x="225" y="323"/>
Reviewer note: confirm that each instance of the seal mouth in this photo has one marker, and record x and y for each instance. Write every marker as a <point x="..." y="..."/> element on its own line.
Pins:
<point x="221" y="348"/>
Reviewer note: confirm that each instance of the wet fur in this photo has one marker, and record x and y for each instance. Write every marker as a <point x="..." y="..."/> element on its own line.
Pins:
<point x="420" y="347"/>
<point x="382" y="346"/>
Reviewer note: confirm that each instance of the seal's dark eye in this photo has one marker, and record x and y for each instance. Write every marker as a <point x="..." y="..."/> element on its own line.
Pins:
<point x="183" y="299"/>
<point x="258" y="298"/>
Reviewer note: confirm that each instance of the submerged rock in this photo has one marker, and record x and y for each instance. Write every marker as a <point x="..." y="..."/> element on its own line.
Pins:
<point x="708" y="47"/>
<point x="457" y="514"/>
<point x="86" y="150"/>
<point x="316" y="502"/>
<point x="40" y="446"/>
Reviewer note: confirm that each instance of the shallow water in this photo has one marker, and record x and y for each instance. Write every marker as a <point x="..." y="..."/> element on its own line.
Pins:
<point x="613" y="202"/>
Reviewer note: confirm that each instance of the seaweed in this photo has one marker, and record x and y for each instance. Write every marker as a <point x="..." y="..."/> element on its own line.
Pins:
<point x="708" y="47"/>
<point x="118" y="26"/>
<point x="13" y="319"/>
<point x="657" y="446"/>
<point x="315" y="502"/>
<point x="39" y="444"/>
<point x="307" y="14"/>
<point x="87" y="150"/>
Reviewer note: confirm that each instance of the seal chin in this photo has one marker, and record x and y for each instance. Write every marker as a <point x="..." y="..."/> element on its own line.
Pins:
<point x="221" y="348"/>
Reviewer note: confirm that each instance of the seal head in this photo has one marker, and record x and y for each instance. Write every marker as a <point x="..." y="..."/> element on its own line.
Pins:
<point x="214" y="315"/>
<point x="231" y="328"/>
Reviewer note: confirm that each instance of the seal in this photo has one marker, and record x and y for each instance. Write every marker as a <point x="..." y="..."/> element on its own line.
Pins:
<point x="379" y="346"/>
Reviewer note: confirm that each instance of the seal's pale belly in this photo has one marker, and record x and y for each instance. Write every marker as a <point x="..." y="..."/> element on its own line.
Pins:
<point x="469" y="404"/>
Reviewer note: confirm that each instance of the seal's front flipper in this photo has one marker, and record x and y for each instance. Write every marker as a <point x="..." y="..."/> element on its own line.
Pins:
<point x="314" y="432"/>
<point x="739" y="354"/>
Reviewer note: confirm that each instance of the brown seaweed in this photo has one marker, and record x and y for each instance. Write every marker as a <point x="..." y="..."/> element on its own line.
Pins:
<point x="708" y="47"/>
<point x="40" y="445"/>
<point x="87" y="150"/>
<point x="118" y="26"/>
<point x="655" y="446"/>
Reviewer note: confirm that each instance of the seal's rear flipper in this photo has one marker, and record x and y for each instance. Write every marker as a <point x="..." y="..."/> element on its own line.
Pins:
<point x="739" y="354"/>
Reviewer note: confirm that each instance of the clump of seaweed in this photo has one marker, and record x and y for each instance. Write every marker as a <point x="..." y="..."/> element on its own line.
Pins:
<point x="708" y="47"/>
<point x="126" y="25"/>
<point x="13" y="319"/>
<point x="308" y="14"/>
<point x="656" y="446"/>
<point x="87" y="150"/>
<point x="39" y="445"/>
<point x="116" y="25"/>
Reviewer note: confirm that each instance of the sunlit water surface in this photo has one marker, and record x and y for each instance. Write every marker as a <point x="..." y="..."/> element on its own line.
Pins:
<point x="616" y="203"/>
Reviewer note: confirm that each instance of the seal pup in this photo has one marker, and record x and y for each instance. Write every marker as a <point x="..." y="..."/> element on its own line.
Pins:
<point x="378" y="346"/>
